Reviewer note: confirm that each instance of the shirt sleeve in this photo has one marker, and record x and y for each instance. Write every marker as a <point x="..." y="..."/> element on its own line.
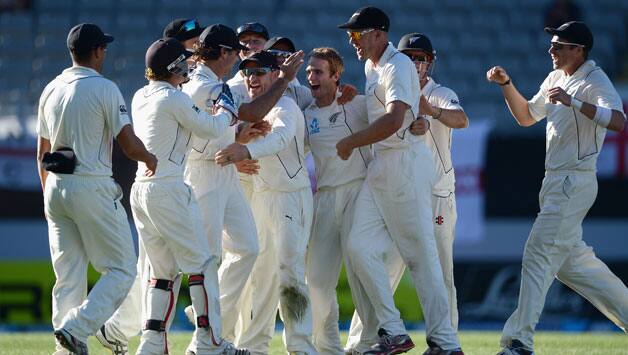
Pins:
<point x="282" y="132"/>
<point x="398" y="84"/>
<point x="358" y="113"/>
<point x="536" y="105"/>
<point x="116" y="114"/>
<point x="448" y="99"/>
<point x="600" y="91"/>
<point x="201" y="123"/>
<point x="42" y="127"/>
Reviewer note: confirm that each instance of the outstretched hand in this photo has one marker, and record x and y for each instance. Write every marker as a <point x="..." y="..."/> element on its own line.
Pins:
<point x="290" y="67"/>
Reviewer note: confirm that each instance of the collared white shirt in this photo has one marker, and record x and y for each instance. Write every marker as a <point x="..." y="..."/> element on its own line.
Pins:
<point x="164" y="119"/>
<point x="573" y="141"/>
<point x="204" y="88"/>
<point x="281" y="152"/>
<point x="394" y="78"/>
<point x="325" y="126"/>
<point x="439" y="136"/>
<point x="82" y="110"/>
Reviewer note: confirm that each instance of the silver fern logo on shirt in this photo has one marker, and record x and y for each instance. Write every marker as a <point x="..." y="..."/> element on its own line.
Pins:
<point x="334" y="117"/>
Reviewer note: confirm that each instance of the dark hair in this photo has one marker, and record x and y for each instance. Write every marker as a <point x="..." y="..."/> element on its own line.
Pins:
<point x="204" y="53"/>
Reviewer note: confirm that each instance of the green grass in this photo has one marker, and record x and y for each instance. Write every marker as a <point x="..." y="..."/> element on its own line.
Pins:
<point x="474" y="343"/>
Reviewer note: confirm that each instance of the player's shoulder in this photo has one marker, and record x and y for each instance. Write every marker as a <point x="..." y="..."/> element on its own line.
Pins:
<point x="357" y="104"/>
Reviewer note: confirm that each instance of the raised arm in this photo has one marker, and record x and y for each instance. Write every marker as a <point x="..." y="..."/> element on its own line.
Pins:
<point x="517" y="104"/>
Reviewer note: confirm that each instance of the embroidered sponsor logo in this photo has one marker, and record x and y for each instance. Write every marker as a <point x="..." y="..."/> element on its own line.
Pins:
<point x="439" y="220"/>
<point x="334" y="117"/>
<point x="123" y="109"/>
<point x="196" y="109"/>
<point x="314" y="128"/>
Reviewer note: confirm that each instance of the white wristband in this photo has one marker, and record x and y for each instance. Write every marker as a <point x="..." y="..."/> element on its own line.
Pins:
<point x="576" y="103"/>
<point x="602" y="116"/>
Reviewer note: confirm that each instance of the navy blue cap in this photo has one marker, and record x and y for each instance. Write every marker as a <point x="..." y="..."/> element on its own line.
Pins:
<point x="366" y="18"/>
<point x="183" y="29"/>
<point x="263" y="58"/>
<point x="85" y="37"/>
<point x="218" y="35"/>
<point x="253" y="27"/>
<point x="573" y="32"/>
<point x="416" y="41"/>
<point x="163" y="53"/>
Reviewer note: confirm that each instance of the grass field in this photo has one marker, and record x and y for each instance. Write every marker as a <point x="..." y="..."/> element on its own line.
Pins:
<point x="474" y="343"/>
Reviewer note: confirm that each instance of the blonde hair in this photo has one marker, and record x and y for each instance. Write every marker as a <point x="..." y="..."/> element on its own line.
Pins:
<point x="332" y="57"/>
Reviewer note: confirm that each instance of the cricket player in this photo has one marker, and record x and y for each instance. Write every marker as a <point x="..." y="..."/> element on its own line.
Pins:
<point x="440" y="112"/>
<point x="338" y="184"/>
<point x="282" y="206"/>
<point x="126" y="321"/>
<point x="80" y="112"/>
<point x="165" y="211"/>
<point x="580" y="104"/>
<point x="394" y="205"/>
<point x="217" y="189"/>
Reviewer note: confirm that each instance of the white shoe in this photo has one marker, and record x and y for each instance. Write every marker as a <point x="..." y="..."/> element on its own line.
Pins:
<point x="230" y="349"/>
<point x="69" y="342"/>
<point x="117" y="347"/>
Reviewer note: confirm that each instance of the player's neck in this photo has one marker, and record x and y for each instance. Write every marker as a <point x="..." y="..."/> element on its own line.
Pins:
<point x="216" y="67"/>
<point x="326" y="100"/>
<point x="379" y="51"/>
<point x="571" y="68"/>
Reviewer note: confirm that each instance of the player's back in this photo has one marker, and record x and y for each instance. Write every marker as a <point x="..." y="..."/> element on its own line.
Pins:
<point x="83" y="111"/>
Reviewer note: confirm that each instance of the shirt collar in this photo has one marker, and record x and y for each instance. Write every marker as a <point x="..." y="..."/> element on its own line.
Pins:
<point x="207" y="71"/>
<point x="389" y="52"/>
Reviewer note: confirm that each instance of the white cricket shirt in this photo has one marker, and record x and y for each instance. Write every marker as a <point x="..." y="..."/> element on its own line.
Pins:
<point x="82" y="110"/>
<point x="573" y="141"/>
<point x="394" y="78"/>
<point x="164" y="120"/>
<point x="439" y="136"/>
<point x="204" y="88"/>
<point x="280" y="152"/>
<point x="325" y="126"/>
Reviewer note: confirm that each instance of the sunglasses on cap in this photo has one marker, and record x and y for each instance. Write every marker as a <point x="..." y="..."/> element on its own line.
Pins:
<point x="279" y="53"/>
<point x="189" y="26"/>
<point x="256" y="71"/>
<point x="560" y="45"/>
<point x="356" y="35"/>
<point x="251" y="27"/>
<point x="179" y="66"/>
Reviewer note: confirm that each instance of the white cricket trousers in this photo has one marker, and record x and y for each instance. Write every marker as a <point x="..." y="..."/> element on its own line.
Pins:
<point x="555" y="249"/>
<point x="284" y="220"/>
<point x="362" y="337"/>
<point x="333" y="218"/>
<point x="87" y="224"/>
<point x="224" y="207"/>
<point x="395" y="206"/>
<point x="169" y="224"/>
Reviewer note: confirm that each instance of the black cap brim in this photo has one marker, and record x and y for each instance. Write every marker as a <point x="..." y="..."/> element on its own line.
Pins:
<point x="350" y="26"/>
<point x="107" y="38"/>
<point x="249" y="60"/>
<point x="552" y="31"/>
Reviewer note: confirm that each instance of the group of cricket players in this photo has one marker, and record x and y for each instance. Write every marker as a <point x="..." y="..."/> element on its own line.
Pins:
<point x="222" y="194"/>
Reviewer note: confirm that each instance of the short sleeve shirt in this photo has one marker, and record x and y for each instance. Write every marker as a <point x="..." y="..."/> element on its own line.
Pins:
<point x="393" y="78"/>
<point x="82" y="110"/>
<point x="573" y="141"/>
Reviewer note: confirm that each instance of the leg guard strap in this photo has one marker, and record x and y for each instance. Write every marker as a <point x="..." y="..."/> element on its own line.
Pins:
<point x="161" y="284"/>
<point x="155" y="324"/>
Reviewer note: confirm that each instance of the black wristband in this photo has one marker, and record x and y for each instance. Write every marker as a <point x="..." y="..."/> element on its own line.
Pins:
<point x="507" y="82"/>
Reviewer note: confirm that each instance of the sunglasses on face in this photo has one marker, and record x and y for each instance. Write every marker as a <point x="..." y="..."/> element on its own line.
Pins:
<point x="418" y="58"/>
<point x="279" y="53"/>
<point x="255" y="71"/>
<point x="356" y="35"/>
<point x="560" y="45"/>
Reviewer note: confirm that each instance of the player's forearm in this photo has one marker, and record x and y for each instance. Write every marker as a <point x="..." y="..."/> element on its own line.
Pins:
<point x="379" y="130"/>
<point x="131" y="145"/>
<point x="517" y="105"/>
<point x="43" y="146"/>
<point x="617" y="122"/>
<point x="453" y="118"/>
<point x="212" y="126"/>
<point x="258" y="108"/>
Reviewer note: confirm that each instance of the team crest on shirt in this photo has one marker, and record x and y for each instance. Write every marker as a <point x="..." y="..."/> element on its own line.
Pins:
<point x="123" y="109"/>
<point x="196" y="109"/>
<point x="334" y="117"/>
<point x="313" y="126"/>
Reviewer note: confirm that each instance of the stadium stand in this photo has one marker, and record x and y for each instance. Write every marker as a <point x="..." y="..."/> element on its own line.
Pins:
<point x="469" y="36"/>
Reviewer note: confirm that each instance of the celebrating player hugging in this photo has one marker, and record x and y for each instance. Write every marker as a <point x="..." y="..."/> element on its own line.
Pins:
<point x="222" y="193"/>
